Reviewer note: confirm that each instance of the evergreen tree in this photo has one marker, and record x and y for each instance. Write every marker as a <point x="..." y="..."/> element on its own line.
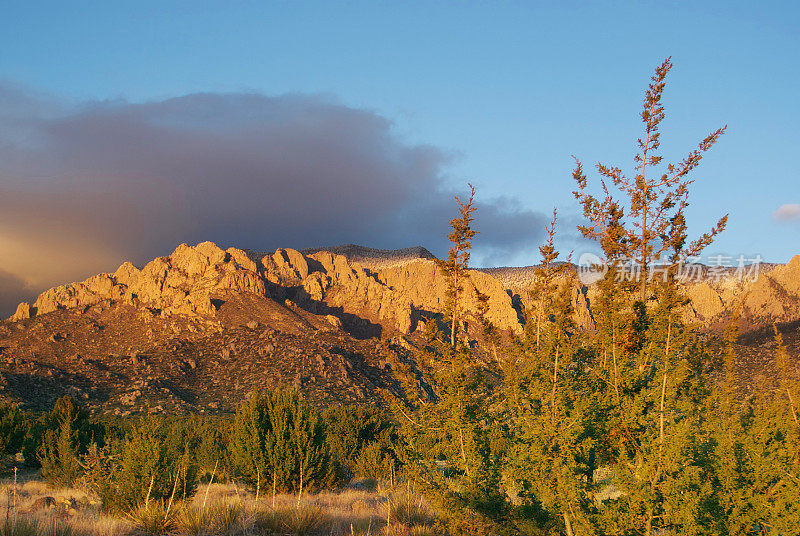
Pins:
<point x="756" y="454"/>
<point x="64" y="435"/>
<point x="655" y="202"/>
<point x="12" y="428"/>
<point x="450" y="428"/>
<point x="278" y="443"/>
<point x="154" y="462"/>
<point x="548" y="399"/>
<point x="456" y="267"/>
<point x="649" y="374"/>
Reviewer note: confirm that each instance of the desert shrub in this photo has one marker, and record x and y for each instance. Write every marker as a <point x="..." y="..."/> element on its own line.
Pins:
<point x="98" y="469"/>
<point x="210" y="446"/>
<point x="409" y="510"/>
<point x="278" y="441"/>
<point x="218" y="518"/>
<point x="154" y="463"/>
<point x="196" y="521"/>
<point x="58" y="455"/>
<point x="154" y="517"/>
<point x="360" y="441"/>
<point x="13" y="426"/>
<point x="64" y="434"/>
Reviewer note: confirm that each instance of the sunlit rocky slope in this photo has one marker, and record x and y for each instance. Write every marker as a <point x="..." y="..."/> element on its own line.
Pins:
<point x="199" y="329"/>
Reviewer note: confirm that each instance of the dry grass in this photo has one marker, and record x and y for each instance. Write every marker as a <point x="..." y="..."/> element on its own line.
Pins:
<point x="219" y="510"/>
<point x="410" y="510"/>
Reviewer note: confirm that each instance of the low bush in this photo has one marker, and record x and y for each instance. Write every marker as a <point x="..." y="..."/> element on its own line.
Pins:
<point x="409" y="510"/>
<point x="154" y="463"/>
<point x="361" y="442"/>
<point x="278" y="440"/>
<point x="219" y="518"/>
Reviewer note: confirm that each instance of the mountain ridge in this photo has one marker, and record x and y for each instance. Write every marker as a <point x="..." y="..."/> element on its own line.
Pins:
<point x="199" y="329"/>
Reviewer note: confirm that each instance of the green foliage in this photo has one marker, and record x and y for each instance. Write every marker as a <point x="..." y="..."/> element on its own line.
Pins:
<point x="360" y="441"/>
<point x="450" y="445"/>
<point x="13" y="426"/>
<point x="210" y="445"/>
<point x="98" y="472"/>
<point x="456" y="266"/>
<point x="65" y="435"/>
<point x="155" y="462"/>
<point x="278" y="442"/>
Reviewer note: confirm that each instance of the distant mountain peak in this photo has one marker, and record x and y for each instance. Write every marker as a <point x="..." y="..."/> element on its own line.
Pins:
<point x="374" y="258"/>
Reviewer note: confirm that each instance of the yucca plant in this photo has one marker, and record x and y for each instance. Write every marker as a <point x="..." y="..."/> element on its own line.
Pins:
<point x="218" y="518"/>
<point x="403" y="530"/>
<point x="298" y="520"/>
<point x="154" y="517"/>
<point x="196" y="521"/>
<point x="229" y="518"/>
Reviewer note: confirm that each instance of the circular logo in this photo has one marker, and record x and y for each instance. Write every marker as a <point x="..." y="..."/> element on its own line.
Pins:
<point x="591" y="268"/>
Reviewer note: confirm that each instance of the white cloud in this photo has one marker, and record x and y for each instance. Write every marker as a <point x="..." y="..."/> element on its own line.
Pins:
<point x="790" y="212"/>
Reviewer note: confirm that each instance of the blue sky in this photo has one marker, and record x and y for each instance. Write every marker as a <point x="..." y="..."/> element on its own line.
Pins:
<point x="505" y="92"/>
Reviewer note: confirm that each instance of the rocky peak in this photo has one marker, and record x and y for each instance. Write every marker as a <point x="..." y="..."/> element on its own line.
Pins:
<point x="193" y="279"/>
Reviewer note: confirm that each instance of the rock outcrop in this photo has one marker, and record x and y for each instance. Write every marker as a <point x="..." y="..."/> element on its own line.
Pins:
<point x="397" y="291"/>
<point x="424" y="284"/>
<point x="772" y="296"/>
<point x="193" y="281"/>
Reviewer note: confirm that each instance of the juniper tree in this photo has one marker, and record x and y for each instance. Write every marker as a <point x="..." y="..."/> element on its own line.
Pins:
<point x="456" y="267"/>
<point x="650" y="372"/>
<point x="756" y="454"/>
<point x="448" y="419"/>
<point x="547" y="278"/>
<point x="12" y="428"/>
<point x="448" y="439"/>
<point x="655" y="199"/>
<point x="278" y="443"/>
<point x="63" y="434"/>
<point x="549" y="400"/>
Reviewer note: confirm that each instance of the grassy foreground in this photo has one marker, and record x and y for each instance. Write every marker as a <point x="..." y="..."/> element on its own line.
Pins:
<point x="30" y="508"/>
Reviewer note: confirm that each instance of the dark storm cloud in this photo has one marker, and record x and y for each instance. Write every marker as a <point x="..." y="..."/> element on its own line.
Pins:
<point x="83" y="188"/>
<point x="12" y="291"/>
